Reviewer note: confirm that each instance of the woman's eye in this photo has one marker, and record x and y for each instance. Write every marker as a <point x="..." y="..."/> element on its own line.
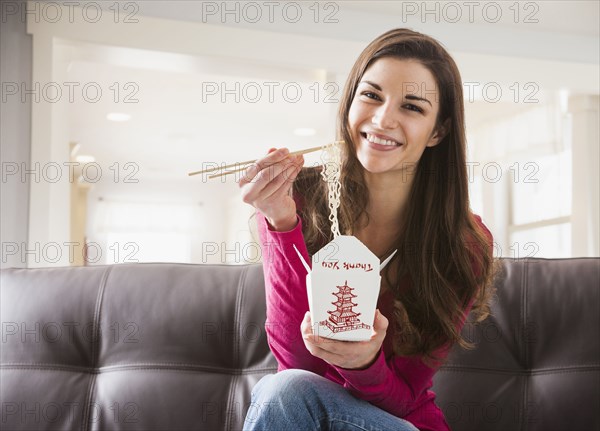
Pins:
<point x="413" y="107"/>
<point x="370" y="95"/>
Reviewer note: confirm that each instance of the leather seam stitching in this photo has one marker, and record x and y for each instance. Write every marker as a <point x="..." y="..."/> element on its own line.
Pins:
<point x="522" y="353"/>
<point x="521" y="373"/>
<point x="95" y="349"/>
<point x="55" y="367"/>
<point x="236" y="347"/>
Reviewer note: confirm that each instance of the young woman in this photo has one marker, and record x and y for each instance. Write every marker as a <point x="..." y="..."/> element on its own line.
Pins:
<point x="404" y="186"/>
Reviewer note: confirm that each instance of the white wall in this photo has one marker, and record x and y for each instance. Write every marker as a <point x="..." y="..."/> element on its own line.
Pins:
<point x="15" y="141"/>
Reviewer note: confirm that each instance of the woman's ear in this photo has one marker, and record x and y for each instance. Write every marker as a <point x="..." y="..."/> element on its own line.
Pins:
<point x="439" y="133"/>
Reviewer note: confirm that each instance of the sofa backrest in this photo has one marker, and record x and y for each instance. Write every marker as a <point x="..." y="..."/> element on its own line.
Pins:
<point x="179" y="347"/>
<point x="536" y="365"/>
<point x="143" y="346"/>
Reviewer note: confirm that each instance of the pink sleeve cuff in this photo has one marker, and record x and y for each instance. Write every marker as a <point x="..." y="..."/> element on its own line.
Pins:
<point x="285" y="237"/>
<point x="281" y="243"/>
<point x="378" y="373"/>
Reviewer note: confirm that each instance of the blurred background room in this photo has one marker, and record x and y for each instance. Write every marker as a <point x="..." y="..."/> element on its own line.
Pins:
<point x="106" y="107"/>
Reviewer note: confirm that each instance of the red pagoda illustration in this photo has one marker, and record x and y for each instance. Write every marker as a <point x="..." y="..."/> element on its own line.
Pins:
<point x="343" y="318"/>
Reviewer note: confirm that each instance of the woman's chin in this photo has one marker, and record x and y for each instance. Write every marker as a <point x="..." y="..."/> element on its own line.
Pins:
<point x="377" y="162"/>
<point x="377" y="167"/>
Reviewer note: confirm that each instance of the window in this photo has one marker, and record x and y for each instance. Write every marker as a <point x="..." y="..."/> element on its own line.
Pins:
<point x="128" y="232"/>
<point x="541" y="208"/>
<point x="521" y="180"/>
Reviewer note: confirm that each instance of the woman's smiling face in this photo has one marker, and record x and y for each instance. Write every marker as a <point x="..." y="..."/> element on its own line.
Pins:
<point x="393" y="115"/>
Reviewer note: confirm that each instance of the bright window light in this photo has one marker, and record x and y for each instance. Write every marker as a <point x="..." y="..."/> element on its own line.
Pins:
<point x="304" y="131"/>
<point x="118" y="117"/>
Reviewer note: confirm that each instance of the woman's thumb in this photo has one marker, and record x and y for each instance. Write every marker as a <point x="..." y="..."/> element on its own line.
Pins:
<point x="381" y="322"/>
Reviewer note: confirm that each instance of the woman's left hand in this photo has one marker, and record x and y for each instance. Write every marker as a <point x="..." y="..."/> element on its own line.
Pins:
<point x="345" y="354"/>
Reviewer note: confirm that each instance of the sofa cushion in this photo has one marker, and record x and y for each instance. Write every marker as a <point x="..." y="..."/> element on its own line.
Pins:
<point x="143" y="346"/>
<point x="536" y="365"/>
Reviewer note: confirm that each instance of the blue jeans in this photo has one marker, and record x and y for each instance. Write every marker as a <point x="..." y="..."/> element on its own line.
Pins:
<point x="301" y="400"/>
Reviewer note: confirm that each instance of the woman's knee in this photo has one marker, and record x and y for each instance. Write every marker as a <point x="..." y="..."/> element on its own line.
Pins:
<point x="287" y="384"/>
<point x="288" y="397"/>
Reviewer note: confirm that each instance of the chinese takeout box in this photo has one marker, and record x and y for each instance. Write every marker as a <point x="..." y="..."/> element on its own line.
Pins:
<point x="343" y="288"/>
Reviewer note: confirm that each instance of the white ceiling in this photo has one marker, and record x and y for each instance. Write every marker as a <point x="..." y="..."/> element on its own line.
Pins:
<point x="579" y="17"/>
<point x="551" y="29"/>
<point x="566" y="17"/>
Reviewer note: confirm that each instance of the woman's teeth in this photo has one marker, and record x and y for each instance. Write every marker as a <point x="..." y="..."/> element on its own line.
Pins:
<point x="376" y="140"/>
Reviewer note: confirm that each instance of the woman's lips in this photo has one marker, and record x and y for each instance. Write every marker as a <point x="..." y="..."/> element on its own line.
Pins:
<point x="379" y="147"/>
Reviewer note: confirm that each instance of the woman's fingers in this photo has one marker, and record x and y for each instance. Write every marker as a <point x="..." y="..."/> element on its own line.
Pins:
<point x="266" y="186"/>
<point x="282" y="185"/>
<point x="269" y="190"/>
<point x="281" y="177"/>
<point x="264" y="178"/>
<point x="272" y="158"/>
<point x="315" y="344"/>
<point x="346" y="354"/>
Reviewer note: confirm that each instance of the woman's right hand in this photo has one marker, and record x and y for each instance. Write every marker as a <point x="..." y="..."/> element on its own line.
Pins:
<point x="267" y="184"/>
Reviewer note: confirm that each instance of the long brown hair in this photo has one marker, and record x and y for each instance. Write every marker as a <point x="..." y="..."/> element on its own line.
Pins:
<point x="441" y="249"/>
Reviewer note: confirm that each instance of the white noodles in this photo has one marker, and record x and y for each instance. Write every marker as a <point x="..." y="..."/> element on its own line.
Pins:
<point x="331" y="174"/>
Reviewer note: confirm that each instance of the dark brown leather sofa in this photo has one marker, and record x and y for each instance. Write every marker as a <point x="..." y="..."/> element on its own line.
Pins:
<point x="179" y="347"/>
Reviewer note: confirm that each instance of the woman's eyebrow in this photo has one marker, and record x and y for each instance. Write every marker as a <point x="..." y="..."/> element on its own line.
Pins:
<point x="372" y="84"/>
<point x="415" y="97"/>
<point x="408" y="96"/>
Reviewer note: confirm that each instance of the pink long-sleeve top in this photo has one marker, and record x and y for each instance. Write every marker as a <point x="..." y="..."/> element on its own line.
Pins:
<point x="399" y="385"/>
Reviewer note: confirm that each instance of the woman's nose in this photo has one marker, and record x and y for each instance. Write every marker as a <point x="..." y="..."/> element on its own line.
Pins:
<point x="385" y="117"/>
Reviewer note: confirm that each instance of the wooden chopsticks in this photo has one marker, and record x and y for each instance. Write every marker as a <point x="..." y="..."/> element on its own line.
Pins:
<point x="240" y="166"/>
